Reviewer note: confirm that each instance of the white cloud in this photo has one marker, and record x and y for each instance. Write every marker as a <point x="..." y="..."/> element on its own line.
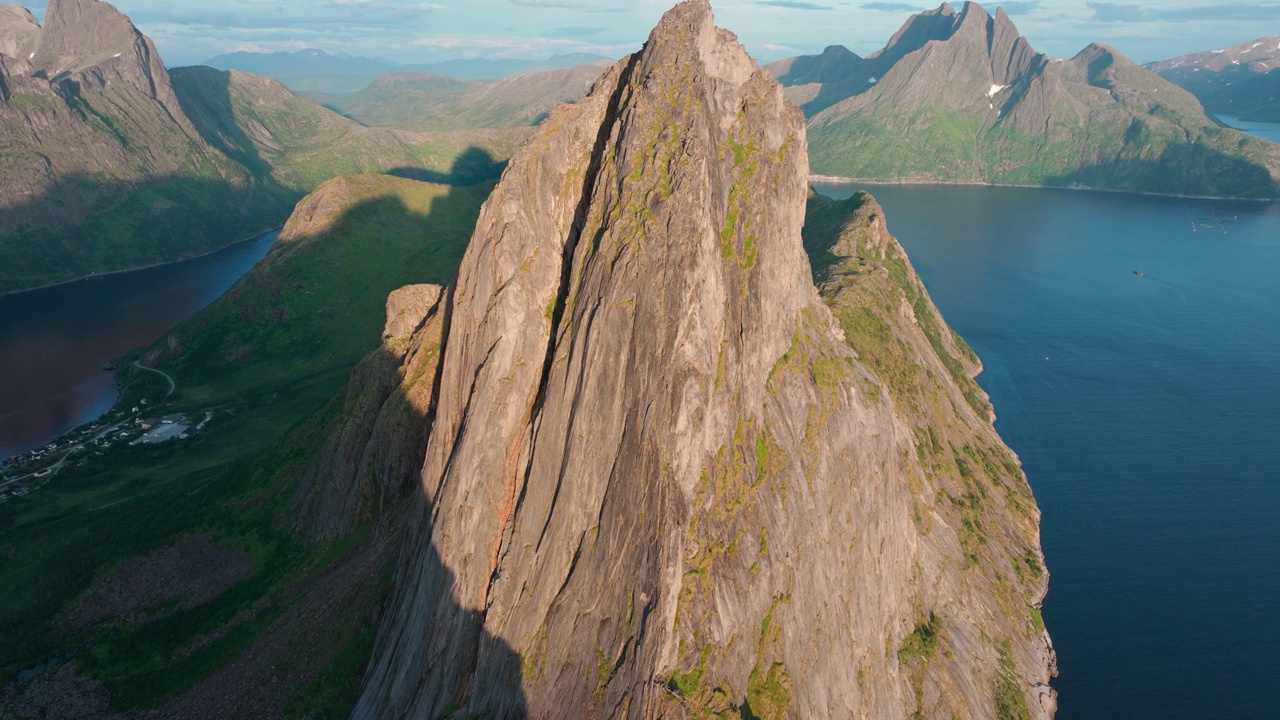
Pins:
<point x="419" y="31"/>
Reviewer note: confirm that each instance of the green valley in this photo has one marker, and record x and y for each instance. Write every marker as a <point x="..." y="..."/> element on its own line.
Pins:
<point x="268" y="360"/>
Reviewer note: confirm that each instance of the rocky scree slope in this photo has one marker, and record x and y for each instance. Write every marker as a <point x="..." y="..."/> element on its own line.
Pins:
<point x="961" y="96"/>
<point x="665" y="477"/>
<point x="1241" y="80"/>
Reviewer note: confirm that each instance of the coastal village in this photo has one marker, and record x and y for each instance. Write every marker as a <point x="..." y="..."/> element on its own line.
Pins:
<point x="22" y="474"/>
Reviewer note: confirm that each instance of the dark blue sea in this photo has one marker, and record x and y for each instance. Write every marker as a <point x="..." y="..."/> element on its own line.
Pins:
<point x="55" y="341"/>
<point x="1146" y="411"/>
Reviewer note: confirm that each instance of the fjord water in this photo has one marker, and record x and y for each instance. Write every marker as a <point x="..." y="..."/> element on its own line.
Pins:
<point x="1146" y="411"/>
<point x="55" y="341"/>
<point x="1266" y="131"/>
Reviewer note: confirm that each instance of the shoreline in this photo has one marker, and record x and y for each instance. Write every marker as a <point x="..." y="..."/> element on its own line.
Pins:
<point x="142" y="267"/>
<point x="838" y="180"/>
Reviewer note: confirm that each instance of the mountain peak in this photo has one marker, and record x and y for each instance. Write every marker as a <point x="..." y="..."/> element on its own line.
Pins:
<point x="82" y="33"/>
<point x="19" y="32"/>
<point x="95" y="44"/>
<point x="690" y="26"/>
<point x="1240" y="80"/>
<point x="649" y="426"/>
<point x="642" y="242"/>
<point x="942" y="65"/>
<point x="835" y="63"/>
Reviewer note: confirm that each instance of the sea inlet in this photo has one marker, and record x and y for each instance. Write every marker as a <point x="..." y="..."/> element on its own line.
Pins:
<point x="55" y="342"/>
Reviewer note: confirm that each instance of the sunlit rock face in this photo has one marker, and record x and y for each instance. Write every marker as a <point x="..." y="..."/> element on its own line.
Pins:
<point x="667" y="477"/>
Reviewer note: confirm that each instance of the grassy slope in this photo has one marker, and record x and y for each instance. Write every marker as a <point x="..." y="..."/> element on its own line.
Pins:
<point x="266" y="126"/>
<point x="866" y="279"/>
<point x="273" y="352"/>
<point x="312" y="308"/>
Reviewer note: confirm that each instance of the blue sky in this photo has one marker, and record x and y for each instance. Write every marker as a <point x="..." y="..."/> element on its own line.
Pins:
<point x="191" y="31"/>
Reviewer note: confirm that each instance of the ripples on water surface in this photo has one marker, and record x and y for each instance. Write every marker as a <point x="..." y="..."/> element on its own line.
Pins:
<point x="54" y="342"/>
<point x="1146" y="411"/>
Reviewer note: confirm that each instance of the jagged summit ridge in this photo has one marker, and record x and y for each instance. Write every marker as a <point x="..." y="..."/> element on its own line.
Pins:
<point x="961" y="96"/>
<point x="653" y="450"/>
<point x="81" y="37"/>
<point x="19" y="32"/>
<point x="995" y="35"/>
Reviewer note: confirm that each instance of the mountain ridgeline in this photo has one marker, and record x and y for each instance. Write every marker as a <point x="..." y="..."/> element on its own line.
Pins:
<point x="316" y="71"/>
<point x="672" y="467"/>
<point x="435" y="103"/>
<point x="961" y="96"/>
<point x="108" y="161"/>
<point x="100" y="168"/>
<point x="1242" y="80"/>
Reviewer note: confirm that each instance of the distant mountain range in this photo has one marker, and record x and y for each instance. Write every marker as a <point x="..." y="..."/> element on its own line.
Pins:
<point x="100" y="166"/>
<point x="435" y="103"/>
<point x="308" y="70"/>
<point x="961" y="96"/>
<point x="316" y="71"/>
<point x="1242" y="80"/>
<point x="109" y="161"/>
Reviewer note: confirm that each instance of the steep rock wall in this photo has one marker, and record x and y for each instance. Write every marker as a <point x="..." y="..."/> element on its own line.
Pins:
<point x="664" y="481"/>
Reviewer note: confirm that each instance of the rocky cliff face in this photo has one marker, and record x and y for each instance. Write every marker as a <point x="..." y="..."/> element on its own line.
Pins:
<point x="666" y="477"/>
<point x="816" y="82"/>
<point x="92" y="44"/>
<point x="89" y="64"/>
<point x="374" y="451"/>
<point x="959" y="95"/>
<point x="19" y="32"/>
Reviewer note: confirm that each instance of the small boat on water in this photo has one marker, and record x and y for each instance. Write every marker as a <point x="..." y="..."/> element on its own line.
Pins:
<point x="1138" y="273"/>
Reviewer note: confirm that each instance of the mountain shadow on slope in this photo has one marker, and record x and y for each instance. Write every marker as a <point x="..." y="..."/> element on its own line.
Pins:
<point x="128" y="225"/>
<point x="214" y="116"/>
<point x="1191" y="170"/>
<point x="274" y="354"/>
<point x="474" y="165"/>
